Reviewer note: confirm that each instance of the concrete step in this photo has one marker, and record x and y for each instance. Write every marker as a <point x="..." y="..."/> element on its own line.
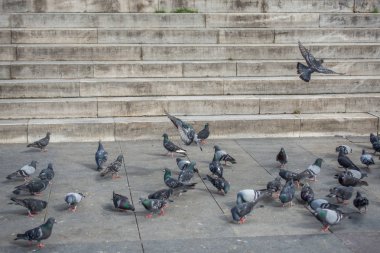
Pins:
<point x="185" y="36"/>
<point x="183" y="52"/>
<point x="170" y="5"/>
<point x="221" y="126"/>
<point x="51" y="88"/>
<point x="171" y="69"/>
<point x="194" y="20"/>
<point x="186" y="105"/>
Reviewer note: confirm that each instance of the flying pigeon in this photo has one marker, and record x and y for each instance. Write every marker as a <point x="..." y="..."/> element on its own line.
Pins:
<point x="24" y="172"/>
<point x="216" y="168"/>
<point x="287" y="193"/>
<point x="328" y="217"/>
<point x="274" y="185"/>
<point x="221" y="155"/>
<point x="203" y="134"/>
<point x="48" y="173"/>
<point x="153" y="206"/>
<point x="347" y="179"/>
<point x="163" y="194"/>
<point x="34" y="187"/>
<point x="174" y="183"/>
<point x="73" y="199"/>
<point x="250" y="195"/>
<point x="342" y="193"/>
<point x="315" y="169"/>
<point x="313" y="65"/>
<point x="186" y="131"/>
<point x="101" y="156"/>
<point x="366" y="159"/>
<point x="39" y="233"/>
<point x="373" y="138"/>
<point x="360" y="202"/>
<point x="182" y="163"/>
<point x="307" y="193"/>
<point x="171" y="147"/>
<point x="113" y="168"/>
<point x="187" y="174"/>
<point x="33" y="205"/>
<point x="220" y="183"/>
<point x="282" y="158"/>
<point x="122" y="202"/>
<point x="240" y="211"/>
<point x="346" y="149"/>
<point x="42" y="143"/>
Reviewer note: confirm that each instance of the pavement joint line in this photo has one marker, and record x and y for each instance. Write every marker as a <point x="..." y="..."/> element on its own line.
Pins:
<point x="130" y="195"/>
<point x="48" y="200"/>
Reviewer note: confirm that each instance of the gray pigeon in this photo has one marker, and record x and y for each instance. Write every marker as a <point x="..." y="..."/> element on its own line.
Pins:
<point x="345" y="148"/>
<point x="182" y="163"/>
<point x="73" y="199"/>
<point x="360" y="202"/>
<point x="163" y="194"/>
<point x="153" y="206"/>
<point x="39" y="233"/>
<point x="171" y="147"/>
<point x="220" y="183"/>
<point x="313" y="65"/>
<point x="113" y="168"/>
<point x="240" y="211"/>
<point x="34" y="187"/>
<point x="366" y="159"/>
<point x="33" y="205"/>
<point x="216" y="168"/>
<point x="347" y="179"/>
<point x="287" y="193"/>
<point x="42" y="143"/>
<point x="186" y="131"/>
<point x="314" y="204"/>
<point x="282" y="157"/>
<point x="48" y="173"/>
<point x="346" y="162"/>
<point x="307" y="193"/>
<point x="174" y="183"/>
<point x="373" y="138"/>
<point x="342" y="193"/>
<point x="376" y="147"/>
<point x="275" y="185"/>
<point x="328" y="217"/>
<point x="101" y="156"/>
<point x="204" y="134"/>
<point x="315" y="169"/>
<point x="187" y="174"/>
<point x="221" y="155"/>
<point x="122" y="202"/>
<point x="25" y="172"/>
<point x="251" y="195"/>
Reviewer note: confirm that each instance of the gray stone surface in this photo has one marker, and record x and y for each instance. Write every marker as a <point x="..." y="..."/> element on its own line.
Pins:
<point x="5" y="36"/>
<point x="60" y="36"/>
<point x="350" y="20"/>
<point x="199" y="220"/>
<point x="366" y="5"/>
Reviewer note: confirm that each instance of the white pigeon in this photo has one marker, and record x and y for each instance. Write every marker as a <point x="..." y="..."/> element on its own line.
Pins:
<point x="25" y="172"/>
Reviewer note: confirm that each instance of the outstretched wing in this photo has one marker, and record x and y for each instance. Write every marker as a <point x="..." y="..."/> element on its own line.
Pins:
<point x="309" y="58"/>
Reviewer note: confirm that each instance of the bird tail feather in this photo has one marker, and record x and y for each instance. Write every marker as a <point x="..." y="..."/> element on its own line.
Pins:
<point x="14" y="174"/>
<point x="304" y="71"/>
<point x="21" y="236"/>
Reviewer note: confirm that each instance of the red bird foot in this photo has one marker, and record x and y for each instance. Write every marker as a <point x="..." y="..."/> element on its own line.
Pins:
<point x="325" y="228"/>
<point x="40" y="245"/>
<point x="162" y="213"/>
<point x="242" y="220"/>
<point x="149" y="216"/>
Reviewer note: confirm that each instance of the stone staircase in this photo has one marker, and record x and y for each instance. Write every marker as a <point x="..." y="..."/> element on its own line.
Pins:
<point x="88" y="69"/>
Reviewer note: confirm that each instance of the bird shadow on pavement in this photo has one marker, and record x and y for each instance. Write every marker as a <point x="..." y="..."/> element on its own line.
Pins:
<point x="110" y="208"/>
<point x="90" y="166"/>
<point x="32" y="150"/>
<point x="60" y="207"/>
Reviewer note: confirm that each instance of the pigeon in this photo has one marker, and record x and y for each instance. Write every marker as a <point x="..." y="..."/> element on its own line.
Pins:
<point x="182" y="163"/>
<point x="187" y="174"/>
<point x="113" y="168"/>
<point x="203" y="134"/>
<point x="315" y="169"/>
<point x="122" y="202"/>
<point x="366" y="159"/>
<point x="373" y="138"/>
<point x="34" y="187"/>
<point x="360" y="202"/>
<point x="287" y="193"/>
<point x="307" y="193"/>
<point x="345" y="161"/>
<point x="274" y="185"/>
<point x="171" y="147"/>
<point x="250" y="195"/>
<point x="216" y="168"/>
<point x="174" y="183"/>
<point x="220" y="183"/>
<point x="221" y="155"/>
<point x="376" y="147"/>
<point x="328" y="217"/>
<point x="240" y="211"/>
<point x="296" y="177"/>
<point x="282" y="158"/>
<point x="342" y="193"/>
<point x="347" y="179"/>
<point x="73" y="199"/>
<point x="186" y="131"/>
<point x="346" y="149"/>
<point x="101" y="156"/>
<point x="39" y="233"/>
<point x="153" y="206"/>
<point x="48" y="173"/>
<point x="163" y="194"/>
<point x="24" y="172"/>
<point x="42" y="143"/>
<point x="354" y="173"/>
<point x="321" y="203"/>
<point x="313" y="65"/>
<point x="33" y="205"/>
